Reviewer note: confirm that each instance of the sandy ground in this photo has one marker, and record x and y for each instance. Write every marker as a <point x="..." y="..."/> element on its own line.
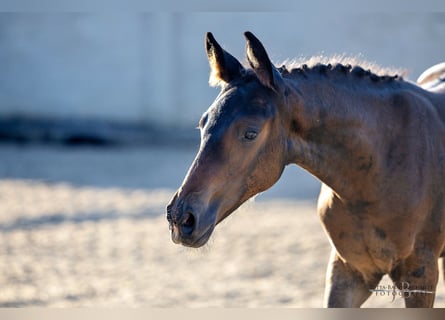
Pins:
<point x="86" y="227"/>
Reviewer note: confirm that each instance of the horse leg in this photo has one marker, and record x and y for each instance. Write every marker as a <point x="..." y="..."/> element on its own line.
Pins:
<point x="346" y="287"/>
<point x="417" y="278"/>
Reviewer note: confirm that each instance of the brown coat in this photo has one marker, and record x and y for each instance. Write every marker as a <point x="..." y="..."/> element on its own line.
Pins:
<point x="376" y="142"/>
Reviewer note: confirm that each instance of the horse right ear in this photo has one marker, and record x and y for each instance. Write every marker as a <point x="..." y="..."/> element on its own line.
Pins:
<point x="223" y="66"/>
<point x="261" y="64"/>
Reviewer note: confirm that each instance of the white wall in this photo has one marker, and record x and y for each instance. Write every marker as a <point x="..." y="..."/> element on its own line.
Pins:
<point x="151" y="67"/>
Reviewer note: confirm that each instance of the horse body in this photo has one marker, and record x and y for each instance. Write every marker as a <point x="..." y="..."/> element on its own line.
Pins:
<point x="377" y="144"/>
<point x="382" y="167"/>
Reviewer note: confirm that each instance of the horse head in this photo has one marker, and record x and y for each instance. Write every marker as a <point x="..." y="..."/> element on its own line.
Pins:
<point x="243" y="143"/>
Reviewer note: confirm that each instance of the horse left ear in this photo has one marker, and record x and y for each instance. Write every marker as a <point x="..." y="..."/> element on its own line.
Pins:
<point x="261" y="64"/>
<point x="223" y="66"/>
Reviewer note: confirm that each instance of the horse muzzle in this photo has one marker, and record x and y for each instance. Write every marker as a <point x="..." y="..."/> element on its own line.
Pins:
<point x="184" y="223"/>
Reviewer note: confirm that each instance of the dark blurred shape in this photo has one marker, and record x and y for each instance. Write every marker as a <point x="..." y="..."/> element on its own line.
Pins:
<point x="94" y="132"/>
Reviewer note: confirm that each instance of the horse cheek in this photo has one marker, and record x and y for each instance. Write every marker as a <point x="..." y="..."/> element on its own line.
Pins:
<point x="266" y="173"/>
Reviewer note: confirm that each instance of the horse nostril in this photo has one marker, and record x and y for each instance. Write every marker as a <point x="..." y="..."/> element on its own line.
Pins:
<point x="188" y="224"/>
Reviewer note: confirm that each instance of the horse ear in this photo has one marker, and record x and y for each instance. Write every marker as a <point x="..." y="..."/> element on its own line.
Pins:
<point x="223" y="66"/>
<point x="261" y="64"/>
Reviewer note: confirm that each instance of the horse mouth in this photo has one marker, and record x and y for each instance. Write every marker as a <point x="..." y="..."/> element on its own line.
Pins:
<point x="192" y="242"/>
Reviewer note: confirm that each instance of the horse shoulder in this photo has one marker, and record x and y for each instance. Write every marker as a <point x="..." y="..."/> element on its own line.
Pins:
<point x="418" y="161"/>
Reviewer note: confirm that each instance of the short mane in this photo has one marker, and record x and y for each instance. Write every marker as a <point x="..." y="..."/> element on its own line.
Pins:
<point x="341" y="65"/>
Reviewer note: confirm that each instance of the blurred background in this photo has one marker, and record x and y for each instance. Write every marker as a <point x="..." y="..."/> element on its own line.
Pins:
<point x="108" y="75"/>
<point x="97" y="129"/>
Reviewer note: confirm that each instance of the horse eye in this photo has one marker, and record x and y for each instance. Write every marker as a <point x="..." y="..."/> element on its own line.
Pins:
<point x="250" y="134"/>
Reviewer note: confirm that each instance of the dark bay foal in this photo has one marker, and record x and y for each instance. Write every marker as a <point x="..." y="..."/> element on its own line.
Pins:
<point x="376" y="142"/>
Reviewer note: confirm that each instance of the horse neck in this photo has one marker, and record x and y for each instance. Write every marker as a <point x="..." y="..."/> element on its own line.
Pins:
<point x="337" y="136"/>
